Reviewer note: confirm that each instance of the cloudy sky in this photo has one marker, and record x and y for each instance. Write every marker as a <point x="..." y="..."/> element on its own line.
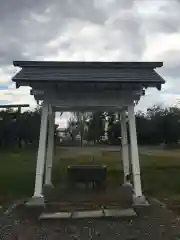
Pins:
<point x="91" y="30"/>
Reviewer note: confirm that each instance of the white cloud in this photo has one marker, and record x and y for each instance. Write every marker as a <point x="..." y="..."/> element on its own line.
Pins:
<point x="154" y="97"/>
<point x="18" y="96"/>
<point x="157" y="45"/>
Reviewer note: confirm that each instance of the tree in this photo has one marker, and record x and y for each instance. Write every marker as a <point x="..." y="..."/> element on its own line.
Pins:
<point x="114" y="133"/>
<point x="81" y="120"/>
<point x="13" y="127"/>
<point x="96" y="127"/>
<point x="159" y="125"/>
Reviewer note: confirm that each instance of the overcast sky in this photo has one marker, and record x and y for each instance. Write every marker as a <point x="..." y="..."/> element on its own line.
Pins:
<point x="91" y="30"/>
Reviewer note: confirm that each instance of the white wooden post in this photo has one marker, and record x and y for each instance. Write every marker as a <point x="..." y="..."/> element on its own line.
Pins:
<point x="41" y="152"/>
<point x="124" y="143"/>
<point x="134" y="152"/>
<point x="50" y="147"/>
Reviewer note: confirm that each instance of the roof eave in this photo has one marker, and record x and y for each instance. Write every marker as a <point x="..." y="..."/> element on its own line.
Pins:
<point x="14" y="79"/>
<point x="87" y="64"/>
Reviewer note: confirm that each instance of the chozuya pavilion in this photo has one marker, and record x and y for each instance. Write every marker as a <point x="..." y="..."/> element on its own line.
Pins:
<point x="87" y="87"/>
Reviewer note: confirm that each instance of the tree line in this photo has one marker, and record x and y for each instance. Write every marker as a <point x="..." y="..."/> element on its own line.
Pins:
<point x="156" y="126"/>
<point x="17" y="130"/>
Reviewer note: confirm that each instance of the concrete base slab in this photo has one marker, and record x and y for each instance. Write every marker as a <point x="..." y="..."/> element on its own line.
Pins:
<point x="129" y="212"/>
<point x="35" y="202"/>
<point x="88" y="214"/>
<point x="140" y="202"/>
<point x="57" y="215"/>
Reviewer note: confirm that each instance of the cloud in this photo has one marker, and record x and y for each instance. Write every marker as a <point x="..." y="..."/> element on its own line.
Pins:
<point x="166" y="48"/>
<point x="26" y="26"/>
<point x="17" y="96"/>
<point x="112" y="41"/>
<point x="160" y="16"/>
<point x="154" y="97"/>
<point x="6" y="74"/>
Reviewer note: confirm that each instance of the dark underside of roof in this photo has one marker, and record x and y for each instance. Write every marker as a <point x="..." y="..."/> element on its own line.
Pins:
<point x="120" y="72"/>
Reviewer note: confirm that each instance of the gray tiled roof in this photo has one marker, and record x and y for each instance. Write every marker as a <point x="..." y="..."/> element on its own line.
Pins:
<point x="137" y="72"/>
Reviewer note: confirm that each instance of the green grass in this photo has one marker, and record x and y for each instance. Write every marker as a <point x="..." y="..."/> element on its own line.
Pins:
<point x="17" y="171"/>
<point x="160" y="171"/>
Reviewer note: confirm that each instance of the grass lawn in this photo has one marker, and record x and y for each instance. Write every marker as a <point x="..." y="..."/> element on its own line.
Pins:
<point x="160" y="170"/>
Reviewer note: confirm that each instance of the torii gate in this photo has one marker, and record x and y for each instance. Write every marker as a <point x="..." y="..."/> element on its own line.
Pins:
<point x="87" y="86"/>
<point x="18" y="106"/>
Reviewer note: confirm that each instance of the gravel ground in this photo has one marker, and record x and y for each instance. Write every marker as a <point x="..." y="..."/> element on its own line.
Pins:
<point x="154" y="222"/>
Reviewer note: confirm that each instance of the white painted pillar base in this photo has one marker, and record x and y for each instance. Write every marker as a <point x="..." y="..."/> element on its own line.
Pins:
<point x="35" y="202"/>
<point x="140" y="202"/>
<point x="41" y="152"/>
<point x="124" y="143"/>
<point x="50" y="148"/>
<point x="134" y="152"/>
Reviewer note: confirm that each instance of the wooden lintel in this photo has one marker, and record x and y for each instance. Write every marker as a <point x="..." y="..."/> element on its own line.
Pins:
<point x="14" y="106"/>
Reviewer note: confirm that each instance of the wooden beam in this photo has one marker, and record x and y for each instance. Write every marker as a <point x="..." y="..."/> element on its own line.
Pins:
<point x="14" y="106"/>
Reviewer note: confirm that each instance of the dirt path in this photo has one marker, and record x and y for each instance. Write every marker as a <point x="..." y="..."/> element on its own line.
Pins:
<point x="76" y="151"/>
<point x="152" y="223"/>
